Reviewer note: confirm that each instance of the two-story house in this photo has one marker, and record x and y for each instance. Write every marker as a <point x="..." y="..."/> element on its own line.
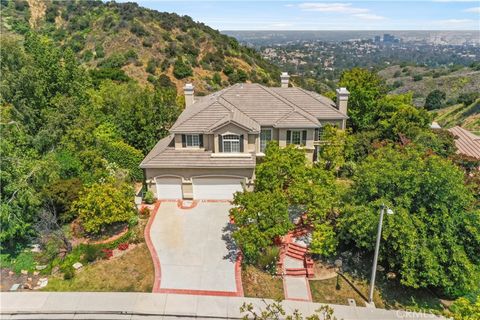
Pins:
<point x="214" y="145"/>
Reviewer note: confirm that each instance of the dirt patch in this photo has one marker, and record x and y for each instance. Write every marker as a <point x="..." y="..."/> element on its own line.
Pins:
<point x="9" y="278"/>
<point x="323" y="271"/>
<point x="259" y="284"/>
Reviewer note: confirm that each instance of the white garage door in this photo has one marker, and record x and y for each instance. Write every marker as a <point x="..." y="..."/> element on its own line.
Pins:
<point x="216" y="188"/>
<point x="169" y="188"/>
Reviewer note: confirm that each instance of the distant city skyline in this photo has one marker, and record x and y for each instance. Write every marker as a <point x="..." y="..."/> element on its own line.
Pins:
<point x="327" y="15"/>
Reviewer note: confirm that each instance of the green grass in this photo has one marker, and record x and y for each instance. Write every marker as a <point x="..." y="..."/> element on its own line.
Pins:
<point x="131" y="272"/>
<point x="388" y="294"/>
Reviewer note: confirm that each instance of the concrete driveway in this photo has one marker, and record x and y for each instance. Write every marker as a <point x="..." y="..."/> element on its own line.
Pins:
<point x="193" y="250"/>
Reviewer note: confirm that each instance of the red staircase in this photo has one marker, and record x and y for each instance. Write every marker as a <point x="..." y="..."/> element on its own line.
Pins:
<point x="298" y="252"/>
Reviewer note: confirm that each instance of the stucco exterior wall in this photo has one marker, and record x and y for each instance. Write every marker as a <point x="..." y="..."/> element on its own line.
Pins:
<point x="187" y="174"/>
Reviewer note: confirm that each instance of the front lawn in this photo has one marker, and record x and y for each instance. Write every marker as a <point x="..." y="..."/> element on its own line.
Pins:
<point x="260" y="284"/>
<point x="389" y="294"/>
<point x="133" y="271"/>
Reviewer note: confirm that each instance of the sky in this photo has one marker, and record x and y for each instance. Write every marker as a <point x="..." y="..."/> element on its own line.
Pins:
<point x="326" y="15"/>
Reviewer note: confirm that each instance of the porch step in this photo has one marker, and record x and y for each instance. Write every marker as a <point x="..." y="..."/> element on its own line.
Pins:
<point x="296" y="272"/>
<point x="295" y="255"/>
<point x="297" y="248"/>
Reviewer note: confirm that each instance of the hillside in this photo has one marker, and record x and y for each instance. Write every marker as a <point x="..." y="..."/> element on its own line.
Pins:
<point x="421" y="81"/>
<point x="124" y="40"/>
<point x="466" y="116"/>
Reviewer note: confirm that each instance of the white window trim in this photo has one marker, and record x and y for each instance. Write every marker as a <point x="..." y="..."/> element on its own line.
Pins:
<point x="271" y="138"/>
<point x="192" y="145"/>
<point x="300" y="131"/>
<point x="230" y="140"/>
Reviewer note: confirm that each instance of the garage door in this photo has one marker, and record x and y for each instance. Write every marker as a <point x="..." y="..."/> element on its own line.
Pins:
<point x="216" y="188"/>
<point x="169" y="188"/>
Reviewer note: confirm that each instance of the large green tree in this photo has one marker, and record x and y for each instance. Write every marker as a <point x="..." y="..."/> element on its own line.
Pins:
<point x="365" y="87"/>
<point x="259" y="217"/>
<point x="432" y="240"/>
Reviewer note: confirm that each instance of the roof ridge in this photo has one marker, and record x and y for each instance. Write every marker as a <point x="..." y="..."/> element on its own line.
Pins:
<point x="300" y="113"/>
<point x="213" y="95"/>
<point x="312" y="94"/>
<point x="290" y="103"/>
<point x="238" y="110"/>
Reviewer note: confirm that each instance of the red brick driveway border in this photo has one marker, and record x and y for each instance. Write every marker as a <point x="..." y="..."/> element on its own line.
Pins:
<point x="158" y="270"/>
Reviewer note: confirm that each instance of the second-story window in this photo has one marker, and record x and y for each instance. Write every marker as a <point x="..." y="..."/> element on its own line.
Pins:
<point x="297" y="137"/>
<point x="231" y="143"/>
<point x="265" y="137"/>
<point x="191" y="140"/>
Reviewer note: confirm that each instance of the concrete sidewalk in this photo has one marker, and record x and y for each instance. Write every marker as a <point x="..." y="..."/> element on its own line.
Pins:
<point x="97" y="305"/>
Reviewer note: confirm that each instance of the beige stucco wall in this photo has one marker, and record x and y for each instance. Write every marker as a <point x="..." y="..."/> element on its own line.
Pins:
<point x="187" y="174"/>
<point x="231" y="128"/>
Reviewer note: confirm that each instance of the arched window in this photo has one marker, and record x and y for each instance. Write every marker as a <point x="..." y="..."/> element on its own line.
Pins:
<point x="231" y="143"/>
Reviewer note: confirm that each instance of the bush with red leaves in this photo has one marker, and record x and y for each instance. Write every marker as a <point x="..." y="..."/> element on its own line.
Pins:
<point x="108" y="253"/>
<point x="123" y="246"/>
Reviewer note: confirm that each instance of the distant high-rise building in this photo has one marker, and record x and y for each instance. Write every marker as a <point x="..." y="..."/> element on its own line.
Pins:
<point x="388" y="38"/>
<point x="377" y="39"/>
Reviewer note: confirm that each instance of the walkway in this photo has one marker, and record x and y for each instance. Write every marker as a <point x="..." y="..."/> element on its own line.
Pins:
<point x="295" y="267"/>
<point x="103" y="305"/>
<point x="190" y="249"/>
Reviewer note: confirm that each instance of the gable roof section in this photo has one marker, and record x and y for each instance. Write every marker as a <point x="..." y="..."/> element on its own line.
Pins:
<point x="466" y="142"/>
<point x="251" y="105"/>
<point x="157" y="149"/>
<point x="297" y="119"/>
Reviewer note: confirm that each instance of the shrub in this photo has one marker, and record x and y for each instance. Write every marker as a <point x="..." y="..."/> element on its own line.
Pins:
<point x="123" y="246"/>
<point x="103" y="204"/>
<point x="435" y="99"/>
<point x="268" y="260"/>
<point x="417" y="77"/>
<point x="181" y="69"/>
<point x="145" y="212"/>
<point x="68" y="273"/>
<point x="148" y="197"/>
<point x="467" y="98"/>
<point x="108" y="253"/>
<point x="92" y="253"/>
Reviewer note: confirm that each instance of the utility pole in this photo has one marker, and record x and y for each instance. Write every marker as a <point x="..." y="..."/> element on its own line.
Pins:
<point x="377" y="247"/>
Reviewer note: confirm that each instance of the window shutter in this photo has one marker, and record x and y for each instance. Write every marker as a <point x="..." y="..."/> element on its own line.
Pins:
<point x="304" y="137"/>
<point x="220" y="143"/>
<point x="317" y="134"/>
<point x="241" y="143"/>
<point x="289" y="136"/>
<point x="184" y="141"/>
<point x="200" y="140"/>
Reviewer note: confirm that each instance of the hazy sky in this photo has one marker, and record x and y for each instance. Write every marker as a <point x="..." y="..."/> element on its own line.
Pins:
<point x="327" y="15"/>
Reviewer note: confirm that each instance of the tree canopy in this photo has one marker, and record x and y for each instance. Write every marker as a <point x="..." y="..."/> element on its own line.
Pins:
<point x="432" y="240"/>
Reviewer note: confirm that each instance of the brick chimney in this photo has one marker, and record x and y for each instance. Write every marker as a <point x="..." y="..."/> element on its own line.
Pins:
<point x="284" y="79"/>
<point x="342" y="99"/>
<point x="188" y="92"/>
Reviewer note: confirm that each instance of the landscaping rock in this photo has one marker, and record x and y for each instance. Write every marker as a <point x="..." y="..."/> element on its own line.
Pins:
<point x="41" y="267"/>
<point x="27" y="286"/>
<point x="77" y="265"/>
<point x="11" y="273"/>
<point x="338" y="263"/>
<point x="24" y="272"/>
<point x="380" y="268"/>
<point x="36" y="273"/>
<point x="391" y="275"/>
<point x="42" y="282"/>
<point x="35" y="248"/>
<point x="15" y="287"/>
<point x="29" y="279"/>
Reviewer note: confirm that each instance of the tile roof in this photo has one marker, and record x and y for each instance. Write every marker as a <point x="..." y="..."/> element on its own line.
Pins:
<point x="466" y="142"/>
<point x="253" y="105"/>
<point x="174" y="158"/>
